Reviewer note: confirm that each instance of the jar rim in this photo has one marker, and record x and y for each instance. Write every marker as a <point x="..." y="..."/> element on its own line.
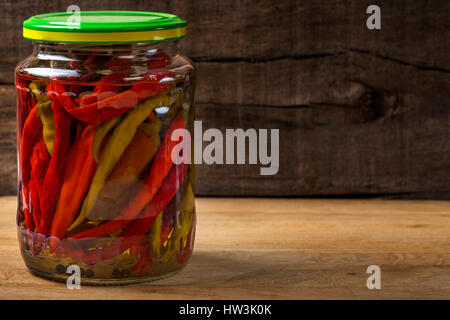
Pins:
<point x="100" y="27"/>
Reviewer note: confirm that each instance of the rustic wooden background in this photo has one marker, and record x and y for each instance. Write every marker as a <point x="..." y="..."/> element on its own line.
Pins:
<point x="360" y="112"/>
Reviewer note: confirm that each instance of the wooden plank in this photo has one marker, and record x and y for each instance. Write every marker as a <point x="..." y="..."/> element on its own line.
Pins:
<point x="339" y="160"/>
<point x="280" y="249"/>
<point x="8" y="141"/>
<point x="350" y="124"/>
<point x="360" y="112"/>
<point x="331" y="80"/>
<point x="374" y="126"/>
<point x="413" y="32"/>
<point x="369" y="120"/>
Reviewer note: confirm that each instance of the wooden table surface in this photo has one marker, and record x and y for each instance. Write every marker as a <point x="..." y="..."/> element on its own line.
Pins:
<point x="280" y="249"/>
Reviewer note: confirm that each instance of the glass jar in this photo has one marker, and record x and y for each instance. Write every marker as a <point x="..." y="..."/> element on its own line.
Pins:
<point x="99" y="114"/>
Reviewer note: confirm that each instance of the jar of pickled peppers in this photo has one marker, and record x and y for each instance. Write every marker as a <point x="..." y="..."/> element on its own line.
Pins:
<point x="99" y="99"/>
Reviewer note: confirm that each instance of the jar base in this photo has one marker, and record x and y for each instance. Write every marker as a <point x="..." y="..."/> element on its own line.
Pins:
<point x="103" y="282"/>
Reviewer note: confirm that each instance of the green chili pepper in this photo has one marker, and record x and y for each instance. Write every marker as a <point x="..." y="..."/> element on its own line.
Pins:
<point x="175" y="108"/>
<point x="45" y="112"/>
<point x="155" y="235"/>
<point x="152" y="129"/>
<point x="114" y="148"/>
<point x="182" y="225"/>
<point x="188" y="209"/>
<point x="54" y="175"/>
<point x="124" y="179"/>
<point x="100" y="134"/>
<point x="36" y="90"/>
<point x="152" y="196"/>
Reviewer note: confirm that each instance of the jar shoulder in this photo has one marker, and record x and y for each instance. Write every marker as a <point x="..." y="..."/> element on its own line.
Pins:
<point x="89" y="63"/>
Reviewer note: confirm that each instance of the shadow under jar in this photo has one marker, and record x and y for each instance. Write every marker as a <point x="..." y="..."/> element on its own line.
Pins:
<point x="100" y="112"/>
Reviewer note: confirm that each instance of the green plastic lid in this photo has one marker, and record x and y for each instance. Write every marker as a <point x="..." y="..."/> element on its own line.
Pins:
<point x="104" y="27"/>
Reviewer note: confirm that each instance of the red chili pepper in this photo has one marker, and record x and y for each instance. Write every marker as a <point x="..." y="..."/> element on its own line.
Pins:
<point x="104" y="89"/>
<point x="76" y="89"/>
<point x="77" y="178"/>
<point x="29" y="222"/>
<point x="161" y="166"/>
<point x="31" y="130"/>
<point x="75" y="64"/>
<point x="39" y="163"/>
<point x="136" y="229"/>
<point x="118" y="64"/>
<point x="35" y="211"/>
<point x="145" y="257"/>
<point x="139" y="227"/>
<point x="133" y="234"/>
<point x="165" y="230"/>
<point x="71" y="248"/>
<point x="24" y="104"/>
<point x="147" y="263"/>
<point x="142" y="253"/>
<point x="35" y="215"/>
<point x="54" y="175"/>
<point x="106" y="109"/>
<point x="89" y="63"/>
<point x="159" y="60"/>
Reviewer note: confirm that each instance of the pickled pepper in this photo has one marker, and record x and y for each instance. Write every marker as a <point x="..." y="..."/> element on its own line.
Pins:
<point x="76" y="180"/>
<point x="99" y="187"/>
<point x="160" y="168"/>
<point x="39" y="162"/>
<point x="134" y="229"/>
<point x="100" y="135"/>
<point x="45" y="112"/>
<point x="121" y="183"/>
<point x="53" y="177"/>
<point x="103" y="89"/>
<point x="106" y="109"/>
<point x="31" y="130"/>
<point x="182" y="224"/>
<point x="114" y="148"/>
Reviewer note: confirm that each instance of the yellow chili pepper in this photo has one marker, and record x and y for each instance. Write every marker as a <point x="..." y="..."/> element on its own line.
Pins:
<point x="100" y="134"/>
<point x="182" y="225"/>
<point x="45" y="112"/>
<point x="124" y="178"/>
<point x="155" y="235"/>
<point x="36" y="90"/>
<point x="114" y="148"/>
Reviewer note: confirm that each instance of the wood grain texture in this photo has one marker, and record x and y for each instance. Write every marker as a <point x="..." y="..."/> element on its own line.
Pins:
<point x="416" y="31"/>
<point x="348" y="125"/>
<point x="8" y="140"/>
<point x="280" y="249"/>
<point x="360" y="113"/>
